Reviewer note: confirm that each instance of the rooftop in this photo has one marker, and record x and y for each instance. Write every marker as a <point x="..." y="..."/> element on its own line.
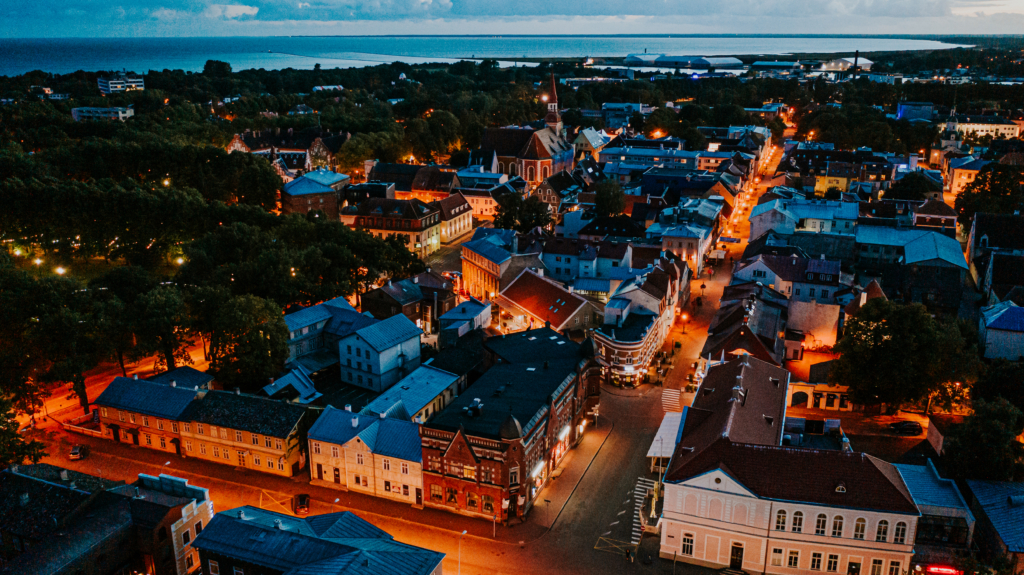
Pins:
<point x="1003" y="504"/>
<point x="415" y="391"/>
<point x="147" y="398"/>
<point x="535" y="295"/>
<point x="246" y="413"/>
<point x="389" y="332"/>
<point x="386" y="436"/>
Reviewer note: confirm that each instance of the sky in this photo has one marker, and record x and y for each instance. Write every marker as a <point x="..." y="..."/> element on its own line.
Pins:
<point x="147" y="18"/>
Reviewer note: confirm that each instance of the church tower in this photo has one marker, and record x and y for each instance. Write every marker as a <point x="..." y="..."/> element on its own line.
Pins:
<point x="553" y="119"/>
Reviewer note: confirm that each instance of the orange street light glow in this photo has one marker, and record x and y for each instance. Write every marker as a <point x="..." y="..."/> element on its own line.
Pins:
<point x="60" y="271"/>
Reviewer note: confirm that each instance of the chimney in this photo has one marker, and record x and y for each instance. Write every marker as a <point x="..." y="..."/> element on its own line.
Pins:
<point x="547" y="324"/>
<point x="278" y="524"/>
<point x="135" y="376"/>
<point x="238" y="391"/>
<point x="63" y="474"/>
<point x="382" y="415"/>
<point x="737" y="392"/>
<point x="24" y="499"/>
<point x="174" y="383"/>
<point x="241" y="514"/>
<point x="348" y="407"/>
<point x="355" y="421"/>
<point x="415" y="279"/>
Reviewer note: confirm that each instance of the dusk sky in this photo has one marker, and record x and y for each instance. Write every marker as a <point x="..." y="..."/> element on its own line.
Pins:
<point x="64" y="18"/>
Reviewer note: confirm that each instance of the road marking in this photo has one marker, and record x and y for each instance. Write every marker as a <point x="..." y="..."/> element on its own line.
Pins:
<point x="606" y="533"/>
<point x="614" y="523"/>
<point x="621" y="512"/>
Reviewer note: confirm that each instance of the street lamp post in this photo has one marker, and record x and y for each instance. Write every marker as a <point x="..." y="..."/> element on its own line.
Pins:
<point x="460" y="551"/>
<point x="685" y="320"/>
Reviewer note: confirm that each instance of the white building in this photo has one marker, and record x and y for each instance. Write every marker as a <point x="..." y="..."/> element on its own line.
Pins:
<point x="378" y="355"/>
<point x="735" y="498"/>
<point x="807" y="216"/>
<point x="994" y="126"/>
<point x="121" y="83"/>
<point x="376" y="455"/>
<point x="79" y="114"/>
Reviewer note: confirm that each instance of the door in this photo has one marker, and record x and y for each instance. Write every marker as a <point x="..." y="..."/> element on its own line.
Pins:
<point x="320" y="471"/>
<point x="241" y="459"/>
<point x="337" y="475"/>
<point x="736" y="557"/>
<point x="854" y="568"/>
<point x="419" y="496"/>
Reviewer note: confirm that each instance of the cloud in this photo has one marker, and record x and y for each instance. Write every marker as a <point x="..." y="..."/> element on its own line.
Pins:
<point x="230" y="11"/>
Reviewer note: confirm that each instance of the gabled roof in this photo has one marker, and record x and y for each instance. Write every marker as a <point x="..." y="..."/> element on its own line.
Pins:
<point x="1004" y="316"/>
<point x="184" y="376"/>
<point x="935" y="208"/>
<point x="932" y="493"/>
<point x="541" y="298"/>
<point x="389" y="332"/>
<point x="246" y="413"/>
<point x="1001" y="502"/>
<point x="415" y="391"/>
<point x="306" y="317"/>
<point x="918" y="244"/>
<point x="298" y="378"/>
<point x="302" y="187"/>
<point x="452" y="206"/>
<point x="1004" y="231"/>
<point x="506" y="142"/>
<point x="324" y="177"/>
<point x="147" y="398"/>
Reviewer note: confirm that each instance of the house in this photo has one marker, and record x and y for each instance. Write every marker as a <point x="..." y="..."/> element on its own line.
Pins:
<point x="946" y="526"/>
<point x="997" y="127"/>
<point x="589" y="143"/>
<point x="531" y="299"/>
<point x="558" y="189"/>
<point x="253" y="540"/>
<point x="185" y="376"/>
<point x="532" y="154"/>
<point x="754" y="326"/>
<point x="417" y="222"/>
<point x="736" y="498"/>
<point x="491" y="452"/>
<point x="355" y="194"/>
<point x="456" y="217"/>
<point x="55" y="521"/>
<point x="480" y="175"/>
<point x="1001" y="331"/>
<point x="468" y="316"/>
<point x="804" y="216"/>
<point x="116" y="113"/>
<point x="380" y="354"/>
<point x="317" y="190"/>
<point x="963" y="174"/>
<point x="484" y="201"/>
<point x="1003" y="233"/>
<point x="998" y="506"/>
<point x="313" y="332"/>
<point x="612" y="228"/>
<point x="801" y="279"/>
<point x="1002" y="278"/>
<point x="419" y="395"/>
<point x="290" y="152"/>
<point x="125" y="82"/>
<point x="378" y="455"/>
<point x="422" y="298"/>
<point x="245" y="431"/>
<point x="295" y="385"/>
<point x="935" y="214"/>
<point x="492" y="259"/>
<point x="941" y="426"/>
<point x="145" y="413"/>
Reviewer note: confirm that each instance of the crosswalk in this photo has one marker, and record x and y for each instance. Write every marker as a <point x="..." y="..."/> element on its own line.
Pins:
<point x="640" y="491"/>
<point x="671" y="400"/>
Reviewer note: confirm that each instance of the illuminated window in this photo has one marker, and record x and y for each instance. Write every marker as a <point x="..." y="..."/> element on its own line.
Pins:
<point x="883" y="531"/>
<point x="780" y="522"/>
<point x="798" y="522"/>
<point x="899" y="534"/>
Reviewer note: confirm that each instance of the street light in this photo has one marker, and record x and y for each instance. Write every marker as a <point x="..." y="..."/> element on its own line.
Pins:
<point x="60" y="271"/>
<point x="685" y="319"/>
<point x="460" y="551"/>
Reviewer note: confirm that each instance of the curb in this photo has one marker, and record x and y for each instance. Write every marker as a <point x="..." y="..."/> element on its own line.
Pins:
<point x="575" y="487"/>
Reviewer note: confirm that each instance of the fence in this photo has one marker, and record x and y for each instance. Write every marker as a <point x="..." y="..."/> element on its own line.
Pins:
<point x="87" y="424"/>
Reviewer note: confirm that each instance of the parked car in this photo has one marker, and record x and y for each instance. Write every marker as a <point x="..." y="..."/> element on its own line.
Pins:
<point x="906" y="428"/>
<point x="78" y="452"/>
<point x="300" y="504"/>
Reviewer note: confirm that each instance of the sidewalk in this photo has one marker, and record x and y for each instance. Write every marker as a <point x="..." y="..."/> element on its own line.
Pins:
<point x="552" y="500"/>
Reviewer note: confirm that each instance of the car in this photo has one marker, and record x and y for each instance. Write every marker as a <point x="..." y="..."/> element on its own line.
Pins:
<point x="300" y="504"/>
<point x="906" y="428"/>
<point x="77" y="452"/>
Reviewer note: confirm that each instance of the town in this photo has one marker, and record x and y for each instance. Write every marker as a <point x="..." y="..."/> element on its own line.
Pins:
<point x="664" y="315"/>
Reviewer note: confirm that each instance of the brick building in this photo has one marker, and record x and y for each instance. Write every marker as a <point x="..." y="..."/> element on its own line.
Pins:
<point x="413" y="219"/>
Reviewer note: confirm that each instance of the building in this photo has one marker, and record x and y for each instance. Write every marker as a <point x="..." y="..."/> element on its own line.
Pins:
<point x="532" y="300"/>
<point x="468" y="316"/>
<point x="378" y="455"/>
<point x="559" y="191"/>
<point x="1001" y="331"/>
<point x="414" y="181"/>
<point x="999" y="233"/>
<point x="492" y="259"/>
<point x="736" y="498"/>
<point x="995" y="126"/>
<point x="963" y="174"/>
<point x="801" y="279"/>
<point x="318" y="190"/>
<point x="754" y="325"/>
<point x="127" y="82"/>
<point x="417" y="222"/>
<point x="419" y="395"/>
<point x="80" y="114"/>
<point x="915" y="111"/>
<point x="456" y="217"/>
<point x="946" y="526"/>
<point x="490" y="453"/>
<point x="804" y="216"/>
<point x="998" y="506"/>
<point x="313" y="332"/>
<point x="145" y="413"/>
<point x="422" y="298"/>
<point x="380" y="354"/>
<point x="58" y="521"/>
<point x="246" y="431"/>
<point x="253" y="540"/>
<point x="590" y="142"/>
<point x="292" y="153"/>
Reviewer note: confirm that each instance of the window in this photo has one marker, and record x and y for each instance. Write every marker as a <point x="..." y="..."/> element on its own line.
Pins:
<point x="278" y="445"/>
<point x="513" y="476"/>
<point x="894" y="568"/>
<point x="189" y="561"/>
<point x="199" y="527"/>
<point x="202" y="448"/>
<point x="163" y="442"/>
<point x="103" y="411"/>
<point x="238" y="436"/>
<point x="858" y="528"/>
<point x="780" y="522"/>
<point x="824" y="293"/>
<point x="359" y="459"/>
<point x="883" y="531"/>
<point x="160" y="424"/>
<point x="199" y="428"/>
<point x="216" y="451"/>
<point x="837" y="526"/>
<point x="266" y="441"/>
<point x="149" y="438"/>
<point x="899" y="535"/>
<point x="798" y="522"/>
<point x="405" y="490"/>
<point x="472" y="500"/>
<point x="819" y="525"/>
<point x="833" y="564"/>
<point x="214" y="568"/>
<point x="186" y="537"/>
<point x="794" y="559"/>
<point x="120" y="415"/>
<point x="188" y="445"/>
<point x="810" y="292"/>
<point x="256" y="460"/>
<point x="687" y="548"/>
<point x="174" y="427"/>
<point x="187" y="427"/>
<point x="145" y="421"/>
<point x="334" y="451"/>
<point x="435" y="493"/>
<point x="316" y="447"/>
<point x="270" y="463"/>
<point x="488" y="504"/>
<point x="280" y="464"/>
<point x="451" y="495"/>
<point x="386" y="464"/>
<point x="469" y="472"/>
<point x="405" y="468"/>
<point x="816" y="561"/>
<point x="131" y="417"/>
<point x="387" y="486"/>
<point x="876" y="567"/>
<point x="776" y="557"/>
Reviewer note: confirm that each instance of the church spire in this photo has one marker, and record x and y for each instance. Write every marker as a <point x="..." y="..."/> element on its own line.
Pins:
<point x="553" y="119"/>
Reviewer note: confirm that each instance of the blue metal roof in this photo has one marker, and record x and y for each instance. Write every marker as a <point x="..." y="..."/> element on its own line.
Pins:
<point x="325" y="177"/>
<point x="146" y="397"/>
<point x="931" y="491"/>
<point x="184" y="376"/>
<point x="465" y="310"/>
<point x="1011" y="319"/>
<point x="488" y="250"/>
<point x="298" y="379"/>
<point x="306" y="316"/>
<point x="1006" y="516"/>
<point x="387" y="436"/>
<point x="389" y="332"/>
<point x="303" y="186"/>
<point x="416" y="390"/>
<point x="335" y="426"/>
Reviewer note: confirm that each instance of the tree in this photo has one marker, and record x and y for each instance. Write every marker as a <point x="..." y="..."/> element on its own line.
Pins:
<point x="610" y="200"/>
<point x="1001" y="378"/>
<point x="162" y="326"/>
<point x="250" y="342"/>
<point x="217" y="69"/>
<point x="15" y="448"/>
<point x="998" y="189"/>
<point x="913" y="187"/>
<point x="894" y="354"/>
<point x="834" y="193"/>
<point x="515" y="213"/>
<point x="985" y="445"/>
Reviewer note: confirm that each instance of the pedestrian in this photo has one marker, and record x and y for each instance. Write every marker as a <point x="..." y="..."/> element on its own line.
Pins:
<point x="628" y="558"/>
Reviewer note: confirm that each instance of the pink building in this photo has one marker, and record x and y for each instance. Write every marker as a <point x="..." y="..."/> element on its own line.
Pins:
<point x="736" y="498"/>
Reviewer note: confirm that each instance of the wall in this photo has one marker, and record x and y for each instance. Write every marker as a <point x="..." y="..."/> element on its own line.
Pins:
<point x="819" y="322"/>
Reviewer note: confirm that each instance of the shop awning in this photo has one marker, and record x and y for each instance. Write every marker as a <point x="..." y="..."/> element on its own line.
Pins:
<point x="665" y="440"/>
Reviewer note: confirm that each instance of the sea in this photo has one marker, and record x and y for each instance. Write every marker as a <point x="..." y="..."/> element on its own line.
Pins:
<point x="65" y="55"/>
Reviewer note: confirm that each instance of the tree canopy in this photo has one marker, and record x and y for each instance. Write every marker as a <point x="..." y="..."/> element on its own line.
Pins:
<point x="997" y="189"/>
<point x="985" y="445"/>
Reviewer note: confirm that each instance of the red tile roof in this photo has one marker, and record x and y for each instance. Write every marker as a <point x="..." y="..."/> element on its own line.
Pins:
<point x="542" y="298"/>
